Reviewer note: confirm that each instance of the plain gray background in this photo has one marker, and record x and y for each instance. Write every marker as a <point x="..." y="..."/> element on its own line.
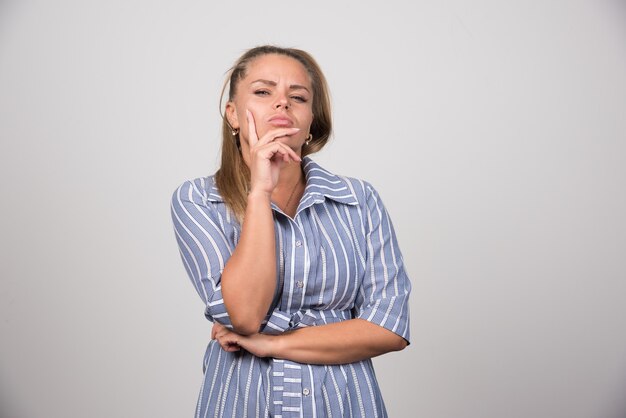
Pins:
<point x="495" y="132"/>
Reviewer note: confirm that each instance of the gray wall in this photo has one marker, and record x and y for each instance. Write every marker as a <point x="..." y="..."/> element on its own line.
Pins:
<point x="495" y="132"/>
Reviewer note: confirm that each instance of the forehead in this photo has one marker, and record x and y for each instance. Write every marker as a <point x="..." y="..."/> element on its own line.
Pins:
<point x="276" y="67"/>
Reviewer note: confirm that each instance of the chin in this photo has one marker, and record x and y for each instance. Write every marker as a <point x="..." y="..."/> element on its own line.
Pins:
<point x="288" y="140"/>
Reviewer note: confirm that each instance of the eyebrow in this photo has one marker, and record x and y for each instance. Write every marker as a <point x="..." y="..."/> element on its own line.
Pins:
<point x="273" y="84"/>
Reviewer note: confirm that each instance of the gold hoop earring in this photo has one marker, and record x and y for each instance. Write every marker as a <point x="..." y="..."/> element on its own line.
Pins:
<point x="235" y="132"/>
<point x="308" y="139"/>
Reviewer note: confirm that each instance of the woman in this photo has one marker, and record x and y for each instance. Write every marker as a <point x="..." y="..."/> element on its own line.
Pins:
<point x="299" y="268"/>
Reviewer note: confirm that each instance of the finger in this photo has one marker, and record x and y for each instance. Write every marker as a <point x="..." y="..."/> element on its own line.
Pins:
<point x="229" y="342"/>
<point x="231" y="348"/>
<point x="216" y="327"/>
<point x="292" y="155"/>
<point x="277" y="133"/>
<point x="221" y="334"/>
<point x="253" y="138"/>
<point x="277" y="155"/>
<point x="270" y="150"/>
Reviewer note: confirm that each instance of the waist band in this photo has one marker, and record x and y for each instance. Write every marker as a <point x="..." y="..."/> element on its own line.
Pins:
<point x="279" y="321"/>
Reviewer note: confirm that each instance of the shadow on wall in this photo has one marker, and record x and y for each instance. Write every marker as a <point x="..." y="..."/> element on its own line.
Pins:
<point x="7" y="408"/>
<point x="617" y="408"/>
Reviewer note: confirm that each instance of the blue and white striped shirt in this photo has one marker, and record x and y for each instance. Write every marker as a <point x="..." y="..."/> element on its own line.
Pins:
<point x="337" y="259"/>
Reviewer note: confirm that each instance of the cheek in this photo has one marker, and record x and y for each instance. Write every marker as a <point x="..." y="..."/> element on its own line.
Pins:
<point x="309" y="118"/>
<point x="239" y="111"/>
<point x="258" y="118"/>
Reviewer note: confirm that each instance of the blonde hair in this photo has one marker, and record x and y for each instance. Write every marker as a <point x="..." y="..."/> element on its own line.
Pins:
<point x="233" y="177"/>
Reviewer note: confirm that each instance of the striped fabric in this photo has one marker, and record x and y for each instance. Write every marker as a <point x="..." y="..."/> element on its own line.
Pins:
<point x="337" y="259"/>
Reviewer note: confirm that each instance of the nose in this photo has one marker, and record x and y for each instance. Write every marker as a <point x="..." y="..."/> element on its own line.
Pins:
<point x="282" y="102"/>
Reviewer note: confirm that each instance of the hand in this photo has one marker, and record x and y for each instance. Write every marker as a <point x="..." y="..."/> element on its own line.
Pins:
<point x="268" y="156"/>
<point x="226" y="338"/>
<point x="261" y="345"/>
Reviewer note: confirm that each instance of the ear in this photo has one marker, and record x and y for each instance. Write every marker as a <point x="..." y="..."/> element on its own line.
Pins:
<point x="231" y="115"/>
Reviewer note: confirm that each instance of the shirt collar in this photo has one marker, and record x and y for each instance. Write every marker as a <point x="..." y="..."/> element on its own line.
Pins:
<point x="213" y="195"/>
<point x="320" y="184"/>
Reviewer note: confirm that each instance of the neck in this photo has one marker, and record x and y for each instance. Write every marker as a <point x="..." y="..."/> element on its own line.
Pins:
<point x="289" y="189"/>
<point x="289" y="176"/>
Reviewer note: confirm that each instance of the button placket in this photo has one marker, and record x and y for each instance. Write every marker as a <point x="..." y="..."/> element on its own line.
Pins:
<point x="278" y="384"/>
<point x="300" y="259"/>
<point x="292" y="382"/>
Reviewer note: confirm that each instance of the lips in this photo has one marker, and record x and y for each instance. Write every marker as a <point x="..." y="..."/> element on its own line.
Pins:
<point x="280" y="120"/>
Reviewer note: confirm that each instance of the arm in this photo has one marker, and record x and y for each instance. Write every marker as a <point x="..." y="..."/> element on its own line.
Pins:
<point x="208" y="256"/>
<point x="203" y="245"/>
<point x="249" y="278"/>
<point x="337" y="343"/>
<point x="381" y="308"/>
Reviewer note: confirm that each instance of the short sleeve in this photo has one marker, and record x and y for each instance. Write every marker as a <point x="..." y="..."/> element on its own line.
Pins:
<point x="203" y="246"/>
<point x="383" y="296"/>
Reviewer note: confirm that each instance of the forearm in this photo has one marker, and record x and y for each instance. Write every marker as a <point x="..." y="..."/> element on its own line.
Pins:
<point x="337" y="343"/>
<point x="249" y="277"/>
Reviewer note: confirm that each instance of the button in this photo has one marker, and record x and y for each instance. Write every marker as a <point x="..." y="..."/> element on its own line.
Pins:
<point x="306" y="391"/>
<point x="300" y="284"/>
<point x="298" y="243"/>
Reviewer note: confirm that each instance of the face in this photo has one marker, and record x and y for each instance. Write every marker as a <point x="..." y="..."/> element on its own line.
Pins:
<point x="277" y="91"/>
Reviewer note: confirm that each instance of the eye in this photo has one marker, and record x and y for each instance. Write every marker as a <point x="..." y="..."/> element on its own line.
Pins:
<point x="262" y="92"/>
<point x="300" y="99"/>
